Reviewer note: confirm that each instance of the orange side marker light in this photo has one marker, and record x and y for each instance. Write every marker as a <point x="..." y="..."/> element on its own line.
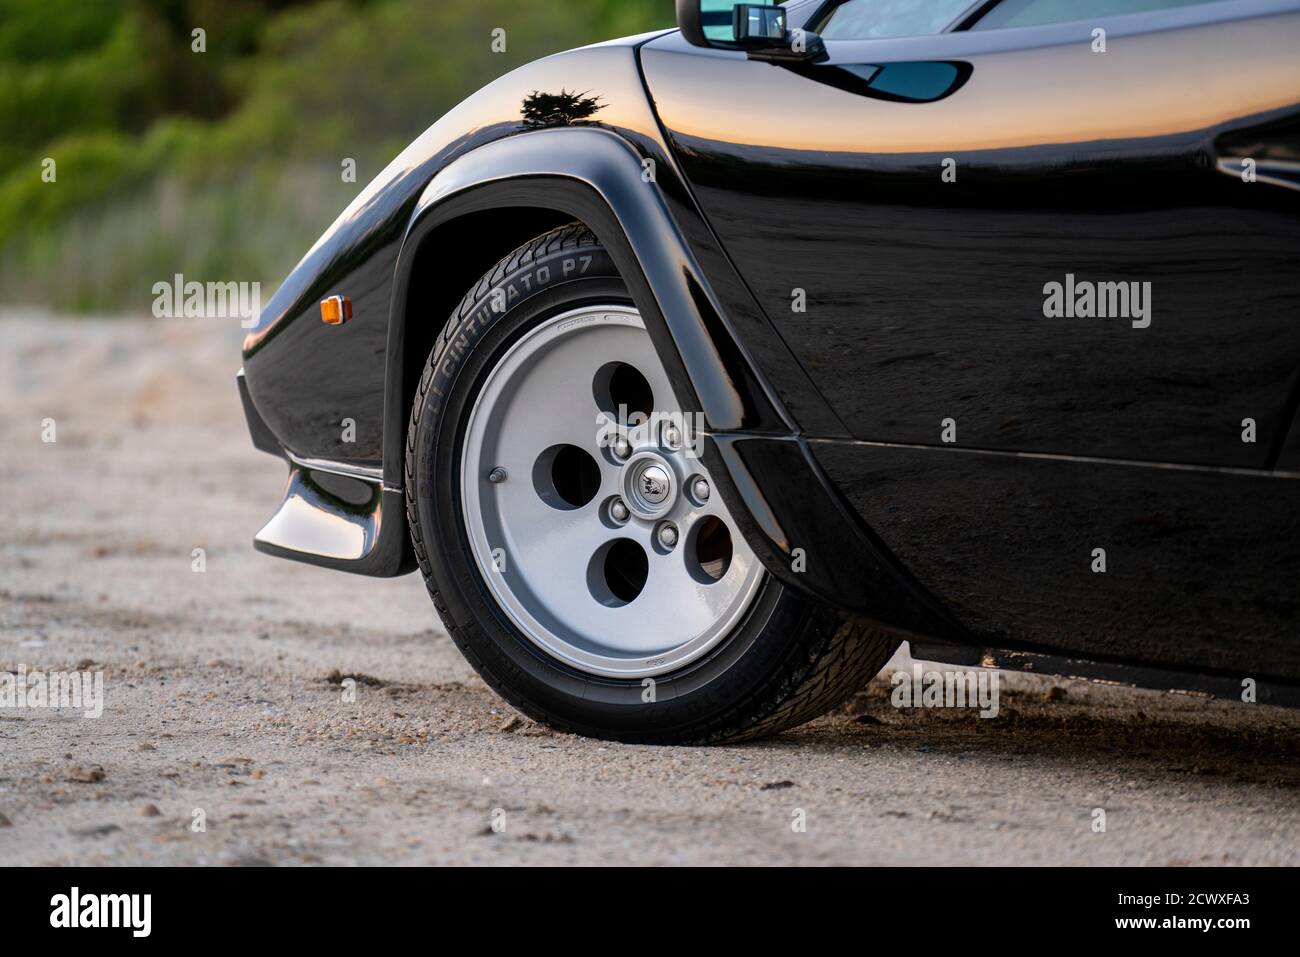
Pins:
<point x="335" y="310"/>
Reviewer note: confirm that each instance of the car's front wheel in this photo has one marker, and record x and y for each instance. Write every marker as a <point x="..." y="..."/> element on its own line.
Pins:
<point x="570" y="533"/>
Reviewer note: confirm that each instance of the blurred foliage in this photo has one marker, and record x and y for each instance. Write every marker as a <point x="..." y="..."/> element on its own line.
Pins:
<point x="225" y="163"/>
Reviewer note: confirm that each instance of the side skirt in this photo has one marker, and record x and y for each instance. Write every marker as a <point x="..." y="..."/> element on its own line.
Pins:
<point x="1267" y="691"/>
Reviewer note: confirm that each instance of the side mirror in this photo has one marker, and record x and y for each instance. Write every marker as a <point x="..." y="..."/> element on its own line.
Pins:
<point x="759" y="30"/>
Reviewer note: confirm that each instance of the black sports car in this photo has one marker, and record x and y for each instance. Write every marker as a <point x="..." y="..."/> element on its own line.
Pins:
<point x="697" y="370"/>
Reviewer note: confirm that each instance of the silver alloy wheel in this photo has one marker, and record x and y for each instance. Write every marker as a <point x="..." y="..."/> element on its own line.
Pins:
<point x="571" y="542"/>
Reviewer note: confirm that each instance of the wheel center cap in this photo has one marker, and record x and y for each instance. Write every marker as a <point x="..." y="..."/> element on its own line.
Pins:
<point x="654" y="485"/>
<point x="649" y="485"/>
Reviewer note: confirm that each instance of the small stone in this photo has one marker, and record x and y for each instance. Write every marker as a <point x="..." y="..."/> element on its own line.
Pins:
<point x="97" y="831"/>
<point x="145" y="746"/>
<point x="150" y="810"/>
<point x="5" y="822"/>
<point x="510" y="725"/>
<point x="89" y="775"/>
<point x="777" y="785"/>
<point x="337" y="677"/>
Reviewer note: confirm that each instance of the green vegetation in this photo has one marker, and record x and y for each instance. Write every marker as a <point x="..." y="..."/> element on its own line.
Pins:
<point x="225" y="163"/>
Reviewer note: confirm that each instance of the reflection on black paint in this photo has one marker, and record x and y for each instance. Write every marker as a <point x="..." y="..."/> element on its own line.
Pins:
<point x="911" y="82"/>
<point x="558" y="109"/>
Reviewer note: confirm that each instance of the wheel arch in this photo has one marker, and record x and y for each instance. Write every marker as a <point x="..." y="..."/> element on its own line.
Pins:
<point x="542" y="179"/>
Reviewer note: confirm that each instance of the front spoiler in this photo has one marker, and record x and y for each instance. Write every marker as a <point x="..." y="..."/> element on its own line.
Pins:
<point x="332" y="515"/>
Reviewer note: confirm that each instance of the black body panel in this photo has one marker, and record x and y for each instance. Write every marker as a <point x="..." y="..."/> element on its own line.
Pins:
<point x="925" y="307"/>
<point x="1200" y="565"/>
<point x="925" y="298"/>
<point x="809" y="536"/>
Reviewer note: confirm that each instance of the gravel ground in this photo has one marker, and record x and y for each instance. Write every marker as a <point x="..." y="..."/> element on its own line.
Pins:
<point x="222" y="692"/>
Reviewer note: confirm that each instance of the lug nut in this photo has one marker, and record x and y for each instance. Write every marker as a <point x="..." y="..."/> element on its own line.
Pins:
<point x="621" y="447"/>
<point x="497" y="475"/>
<point x="672" y="438"/>
<point x="701" y="489"/>
<point x="619" y="510"/>
<point x="667" y="535"/>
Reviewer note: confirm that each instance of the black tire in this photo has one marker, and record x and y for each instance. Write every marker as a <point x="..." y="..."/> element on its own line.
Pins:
<point x="787" y="661"/>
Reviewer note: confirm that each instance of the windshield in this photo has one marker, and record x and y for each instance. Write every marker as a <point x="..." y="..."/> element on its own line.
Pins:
<point x="872" y="19"/>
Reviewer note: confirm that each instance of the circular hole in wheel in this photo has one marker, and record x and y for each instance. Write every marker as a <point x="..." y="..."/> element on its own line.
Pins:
<point x="618" y="572"/>
<point x="622" y="392"/>
<point x="710" y="550"/>
<point x="566" y="477"/>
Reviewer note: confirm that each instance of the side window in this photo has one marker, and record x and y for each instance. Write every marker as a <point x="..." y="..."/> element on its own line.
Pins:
<point x="1030" y="13"/>
<point x="873" y="19"/>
